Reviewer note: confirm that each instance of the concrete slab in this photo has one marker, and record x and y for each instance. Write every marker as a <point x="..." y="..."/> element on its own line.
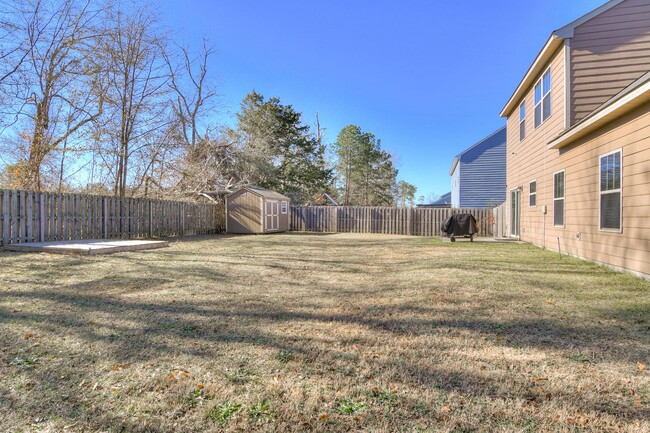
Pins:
<point x="485" y="240"/>
<point x="87" y="247"/>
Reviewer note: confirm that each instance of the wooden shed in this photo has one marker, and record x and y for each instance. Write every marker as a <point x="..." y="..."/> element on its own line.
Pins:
<point x="256" y="210"/>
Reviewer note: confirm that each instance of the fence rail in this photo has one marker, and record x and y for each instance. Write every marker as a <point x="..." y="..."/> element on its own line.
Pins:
<point x="384" y="220"/>
<point x="28" y="216"/>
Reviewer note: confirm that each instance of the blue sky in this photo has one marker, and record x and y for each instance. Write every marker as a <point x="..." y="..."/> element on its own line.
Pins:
<point x="427" y="77"/>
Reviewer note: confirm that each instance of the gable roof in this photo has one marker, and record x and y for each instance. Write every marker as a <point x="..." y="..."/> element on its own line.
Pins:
<point x="442" y="201"/>
<point x="552" y="44"/>
<point x="458" y="157"/>
<point x="626" y="100"/>
<point x="262" y="192"/>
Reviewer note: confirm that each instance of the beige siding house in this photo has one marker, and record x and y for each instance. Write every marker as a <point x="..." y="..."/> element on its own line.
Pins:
<point x="578" y="167"/>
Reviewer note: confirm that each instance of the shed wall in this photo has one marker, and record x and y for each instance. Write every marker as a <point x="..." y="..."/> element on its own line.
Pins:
<point x="244" y="213"/>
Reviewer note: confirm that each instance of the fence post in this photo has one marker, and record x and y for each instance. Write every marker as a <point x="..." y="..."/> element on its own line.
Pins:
<point x="150" y="219"/>
<point x="409" y="221"/>
<point x="183" y="219"/>
<point x="104" y="218"/>
<point x="41" y="208"/>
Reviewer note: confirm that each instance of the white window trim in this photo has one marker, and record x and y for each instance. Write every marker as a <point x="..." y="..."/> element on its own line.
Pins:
<point x="541" y="101"/>
<point x="619" y="190"/>
<point x="271" y="214"/>
<point x="534" y="193"/>
<point x="523" y="104"/>
<point x="284" y="207"/>
<point x="562" y="198"/>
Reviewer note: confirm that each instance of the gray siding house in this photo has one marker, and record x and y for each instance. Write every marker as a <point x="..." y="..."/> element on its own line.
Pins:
<point x="478" y="174"/>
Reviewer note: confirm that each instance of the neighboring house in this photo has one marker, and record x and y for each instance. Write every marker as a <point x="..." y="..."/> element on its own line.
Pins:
<point x="444" y="201"/>
<point x="579" y="140"/>
<point x="478" y="174"/>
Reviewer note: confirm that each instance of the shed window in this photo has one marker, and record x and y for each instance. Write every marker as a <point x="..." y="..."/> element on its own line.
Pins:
<point x="610" y="191"/>
<point x="532" y="193"/>
<point x="543" y="99"/>
<point x="522" y="121"/>
<point x="284" y="207"/>
<point x="558" y="198"/>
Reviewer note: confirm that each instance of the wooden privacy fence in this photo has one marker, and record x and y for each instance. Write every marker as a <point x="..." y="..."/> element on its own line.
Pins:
<point x="385" y="220"/>
<point x="27" y="216"/>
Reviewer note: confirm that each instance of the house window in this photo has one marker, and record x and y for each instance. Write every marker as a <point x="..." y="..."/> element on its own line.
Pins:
<point x="532" y="193"/>
<point x="543" y="99"/>
<point x="558" y="198"/>
<point x="284" y="206"/>
<point x="522" y="121"/>
<point x="610" y="191"/>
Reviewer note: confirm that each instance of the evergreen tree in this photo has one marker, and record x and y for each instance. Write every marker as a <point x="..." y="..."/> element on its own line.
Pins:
<point x="405" y="194"/>
<point x="366" y="174"/>
<point x="278" y="151"/>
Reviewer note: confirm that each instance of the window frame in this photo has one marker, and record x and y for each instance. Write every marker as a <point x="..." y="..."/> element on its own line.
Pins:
<point x="522" y="121"/>
<point x="611" y="191"/>
<point x="543" y="94"/>
<point x="533" y="193"/>
<point x="284" y="207"/>
<point x="563" y="198"/>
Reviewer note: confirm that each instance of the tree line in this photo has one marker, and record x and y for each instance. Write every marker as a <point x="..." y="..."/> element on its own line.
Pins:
<point x="96" y="97"/>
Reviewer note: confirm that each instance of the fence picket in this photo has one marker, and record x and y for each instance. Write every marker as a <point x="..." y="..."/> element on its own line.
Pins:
<point x="386" y="220"/>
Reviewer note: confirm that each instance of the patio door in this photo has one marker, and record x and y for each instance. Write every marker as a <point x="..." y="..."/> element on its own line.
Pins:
<point x="272" y="215"/>
<point x="515" y="212"/>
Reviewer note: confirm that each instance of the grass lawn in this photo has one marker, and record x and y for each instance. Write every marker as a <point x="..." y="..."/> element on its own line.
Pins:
<point x="322" y="333"/>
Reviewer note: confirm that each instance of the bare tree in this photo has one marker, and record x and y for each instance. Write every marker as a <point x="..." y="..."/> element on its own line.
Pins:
<point x="18" y="33"/>
<point x="133" y="50"/>
<point x="207" y="159"/>
<point x="59" y="88"/>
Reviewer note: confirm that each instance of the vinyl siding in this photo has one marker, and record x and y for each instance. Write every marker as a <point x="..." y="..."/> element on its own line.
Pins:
<point x="581" y="235"/>
<point x="629" y="249"/>
<point x="483" y="173"/>
<point x="530" y="159"/>
<point x="608" y="53"/>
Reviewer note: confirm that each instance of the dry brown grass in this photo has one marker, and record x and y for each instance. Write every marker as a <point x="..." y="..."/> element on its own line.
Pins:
<point x="322" y="333"/>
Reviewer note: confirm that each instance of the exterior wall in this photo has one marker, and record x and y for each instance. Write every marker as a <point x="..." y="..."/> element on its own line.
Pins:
<point x="243" y="213"/>
<point x="483" y="173"/>
<point x="455" y="187"/>
<point x="530" y="159"/>
<point x="581" y="236"/>
<point x="608" y="53"/>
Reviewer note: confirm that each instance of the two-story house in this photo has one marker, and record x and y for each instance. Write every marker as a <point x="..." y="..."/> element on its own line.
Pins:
<point x="478" y="173"/>
<point x="578" y="142"/>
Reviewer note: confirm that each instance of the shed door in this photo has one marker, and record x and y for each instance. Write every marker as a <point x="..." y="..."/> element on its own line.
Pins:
<point x="272" y="215"/>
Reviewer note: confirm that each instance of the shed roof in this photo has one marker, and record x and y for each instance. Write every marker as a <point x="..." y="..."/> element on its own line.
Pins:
<point x="262" y="192"/>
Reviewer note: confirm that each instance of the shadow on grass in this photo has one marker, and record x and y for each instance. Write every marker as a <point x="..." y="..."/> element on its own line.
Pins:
<point x="106" y="313"/>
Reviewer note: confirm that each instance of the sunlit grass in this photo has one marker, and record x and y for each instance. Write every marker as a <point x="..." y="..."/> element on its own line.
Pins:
<point x="322" y="333"/>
